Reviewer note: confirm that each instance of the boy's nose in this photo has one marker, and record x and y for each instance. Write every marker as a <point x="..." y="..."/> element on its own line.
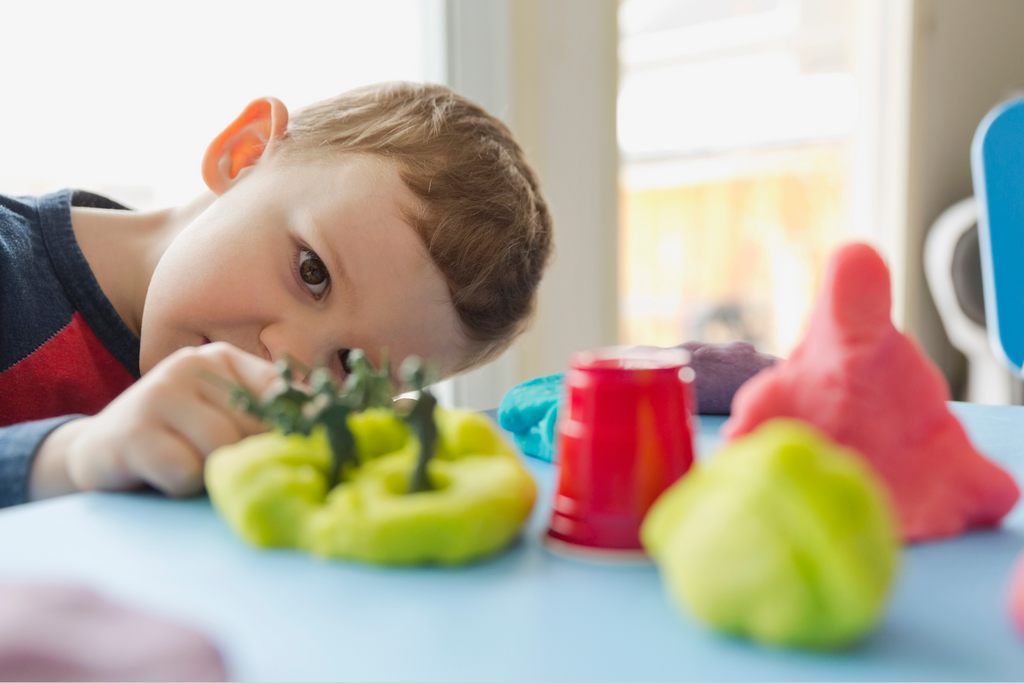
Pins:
<point x="298" y="347"/>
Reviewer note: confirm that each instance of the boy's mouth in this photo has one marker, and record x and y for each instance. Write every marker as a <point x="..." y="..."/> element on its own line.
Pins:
<point x="206" y="340"/>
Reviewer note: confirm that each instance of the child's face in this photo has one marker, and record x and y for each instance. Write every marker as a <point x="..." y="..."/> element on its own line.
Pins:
<point x="306" y="260"/>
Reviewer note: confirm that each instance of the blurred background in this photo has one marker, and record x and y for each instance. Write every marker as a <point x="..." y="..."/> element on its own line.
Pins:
<point x="702" y="157"/>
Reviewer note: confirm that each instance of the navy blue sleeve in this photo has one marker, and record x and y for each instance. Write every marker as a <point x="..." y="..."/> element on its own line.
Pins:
<point x="18" y="446"/>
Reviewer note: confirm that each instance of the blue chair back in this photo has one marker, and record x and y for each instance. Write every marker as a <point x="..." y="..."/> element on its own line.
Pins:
<point x="997" y="166"/>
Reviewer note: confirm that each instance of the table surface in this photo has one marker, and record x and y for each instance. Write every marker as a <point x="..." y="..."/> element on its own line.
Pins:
<point x="524" y="615"/>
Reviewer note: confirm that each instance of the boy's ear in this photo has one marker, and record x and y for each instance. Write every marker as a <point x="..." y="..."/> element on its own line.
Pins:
<point x="241" y="144"/>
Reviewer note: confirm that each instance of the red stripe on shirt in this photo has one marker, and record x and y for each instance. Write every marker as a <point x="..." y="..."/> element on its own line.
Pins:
<point x="73" y="372"/>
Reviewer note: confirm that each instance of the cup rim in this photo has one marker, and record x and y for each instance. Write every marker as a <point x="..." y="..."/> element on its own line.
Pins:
<point x="632" y="358"/>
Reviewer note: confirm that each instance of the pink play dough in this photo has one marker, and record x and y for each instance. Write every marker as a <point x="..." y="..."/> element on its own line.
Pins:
<point x="1017" y="595"/>
<point x="870" y="387"/>
<point x="66" y="633"/>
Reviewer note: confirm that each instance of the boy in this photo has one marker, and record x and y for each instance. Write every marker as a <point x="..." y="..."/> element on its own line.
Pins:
<point x="396" y="216"/>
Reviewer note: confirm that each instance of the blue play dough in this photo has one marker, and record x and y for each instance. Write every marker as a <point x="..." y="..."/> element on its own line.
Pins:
<point x="530" y="411"/>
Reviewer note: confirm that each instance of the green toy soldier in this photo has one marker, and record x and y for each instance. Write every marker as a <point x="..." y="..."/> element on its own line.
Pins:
<point x="420" y="419"/>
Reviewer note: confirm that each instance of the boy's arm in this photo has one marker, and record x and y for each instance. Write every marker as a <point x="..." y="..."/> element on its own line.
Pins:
<point x="18" y="446"/>
<point x="158" y="432"/>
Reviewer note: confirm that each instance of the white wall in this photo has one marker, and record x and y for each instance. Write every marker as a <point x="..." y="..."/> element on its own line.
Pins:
<point x="549" y="69"/>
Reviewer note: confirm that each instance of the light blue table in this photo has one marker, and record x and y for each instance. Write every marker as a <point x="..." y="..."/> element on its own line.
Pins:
<point x="526" y="615"/>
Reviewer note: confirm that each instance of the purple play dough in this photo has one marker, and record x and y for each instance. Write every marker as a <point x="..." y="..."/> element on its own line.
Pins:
<point x="720" y="369"/>
<point x="60" y="633"/>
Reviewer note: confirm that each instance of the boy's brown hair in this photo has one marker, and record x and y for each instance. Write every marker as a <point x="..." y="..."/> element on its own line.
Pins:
<point x="485" y="224"/>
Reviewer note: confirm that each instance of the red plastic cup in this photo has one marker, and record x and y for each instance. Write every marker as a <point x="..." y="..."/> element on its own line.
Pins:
<point x="625" y="437"/>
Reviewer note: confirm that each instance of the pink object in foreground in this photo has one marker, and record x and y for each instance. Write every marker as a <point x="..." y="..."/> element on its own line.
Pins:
<point x="1017" y="594"/>
<point x="871" y="388"/>
<point x="57" y="633"/>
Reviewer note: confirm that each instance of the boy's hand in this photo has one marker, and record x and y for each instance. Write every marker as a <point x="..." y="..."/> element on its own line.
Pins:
<point x="159" y="431"/>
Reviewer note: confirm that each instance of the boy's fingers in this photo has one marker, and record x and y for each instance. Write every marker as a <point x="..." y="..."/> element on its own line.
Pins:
<point x="247" y="424"/>
<point x="252" y="371"/>
<point x="206" y="426"/>
<point x="168" y="463"/>
<point x="219" y="367"/>
<point x="220" y="400"/>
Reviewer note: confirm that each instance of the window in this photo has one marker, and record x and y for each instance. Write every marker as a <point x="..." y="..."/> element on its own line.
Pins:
<point x="737" y="127"/>
<point x="123" y="97"/>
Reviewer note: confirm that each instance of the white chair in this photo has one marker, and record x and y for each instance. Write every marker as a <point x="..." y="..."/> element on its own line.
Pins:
<point x="952" y="265"/>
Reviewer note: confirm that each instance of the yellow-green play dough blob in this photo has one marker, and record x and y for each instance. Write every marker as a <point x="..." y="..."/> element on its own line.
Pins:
<point x="272" y="489"/>
<point x="784" y="537"/>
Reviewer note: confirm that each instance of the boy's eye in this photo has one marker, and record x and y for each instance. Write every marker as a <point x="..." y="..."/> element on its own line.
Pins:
<point x="343" y="357"/>
<point x="313" y="272"/>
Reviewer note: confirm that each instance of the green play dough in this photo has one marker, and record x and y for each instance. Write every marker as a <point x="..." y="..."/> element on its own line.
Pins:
<point x="272" y="490"/>
<point x="784" y="537"/>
